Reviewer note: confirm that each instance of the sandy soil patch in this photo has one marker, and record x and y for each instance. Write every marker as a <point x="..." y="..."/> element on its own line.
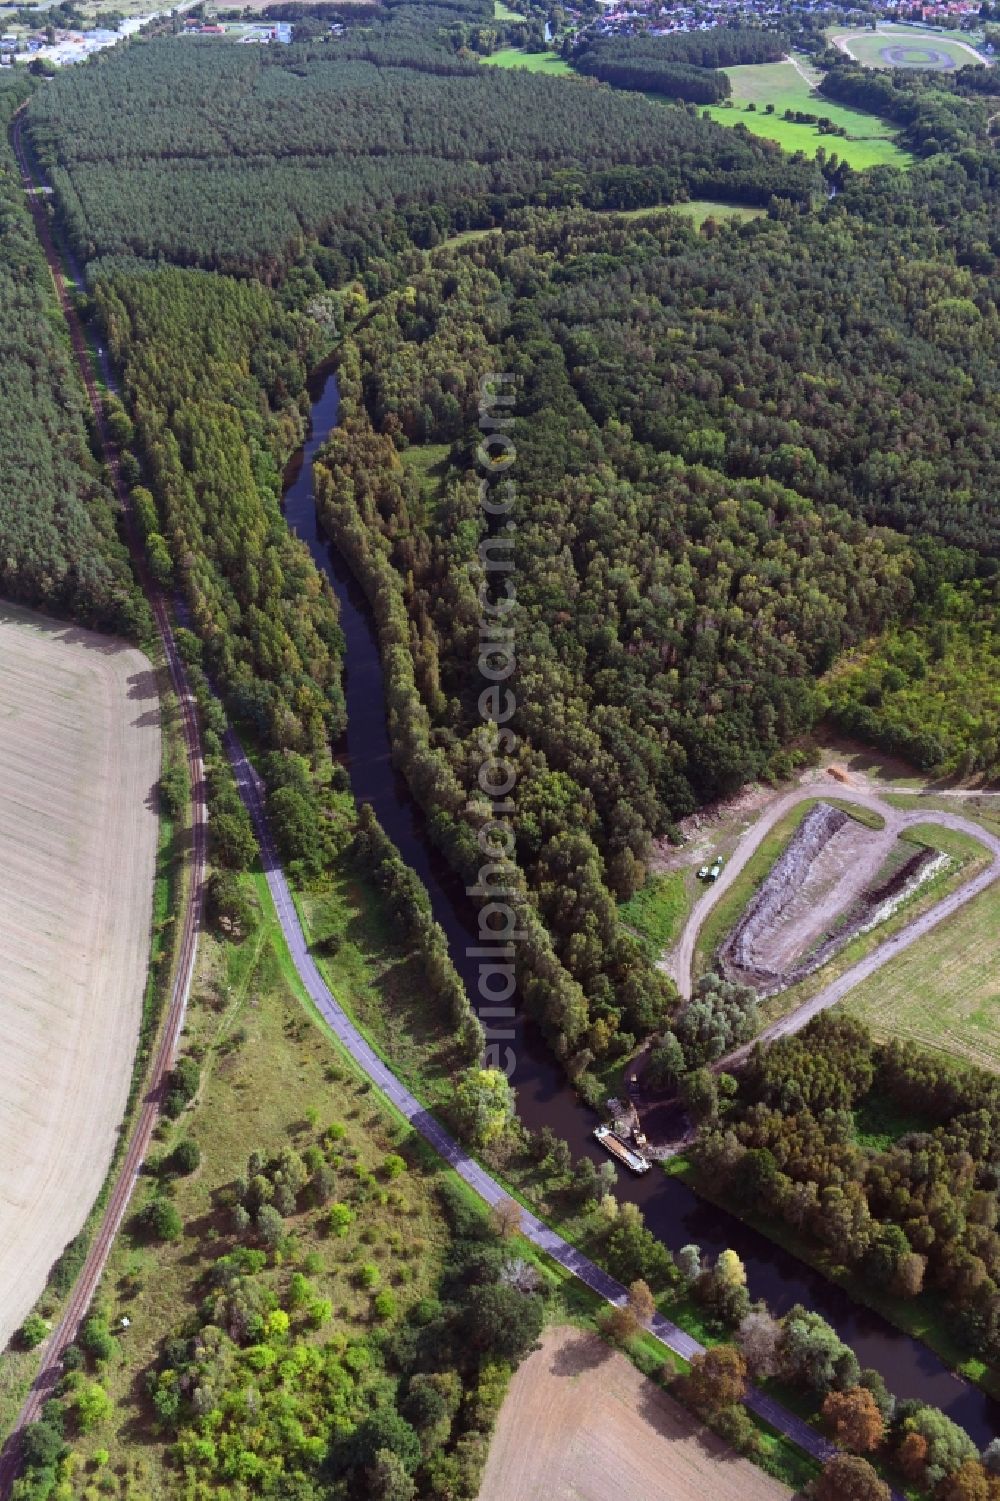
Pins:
<point x="79" y="761"/>
<point x="580" y="1423"/>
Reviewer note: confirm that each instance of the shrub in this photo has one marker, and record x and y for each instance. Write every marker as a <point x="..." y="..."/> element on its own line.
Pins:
<point x="32" y="1331"/>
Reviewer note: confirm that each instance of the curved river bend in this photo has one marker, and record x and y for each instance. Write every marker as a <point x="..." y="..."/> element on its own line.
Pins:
<point x="544" y="1097"/>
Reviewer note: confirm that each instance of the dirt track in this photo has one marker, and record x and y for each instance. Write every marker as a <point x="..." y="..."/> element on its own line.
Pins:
<point x="821" y="784"/>
<point x="580" y="1423"/>
<point x="79" y="760"/>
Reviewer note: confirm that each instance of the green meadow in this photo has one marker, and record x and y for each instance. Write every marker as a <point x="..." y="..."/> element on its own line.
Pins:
<point x="535" y="62"/>
<point x="870" y="141"/>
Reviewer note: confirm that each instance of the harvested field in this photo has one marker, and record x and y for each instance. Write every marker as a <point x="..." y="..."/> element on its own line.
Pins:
<point x="829" y="883"/>
<point x="580" y="1423"/>
<point x="79" y="760"/>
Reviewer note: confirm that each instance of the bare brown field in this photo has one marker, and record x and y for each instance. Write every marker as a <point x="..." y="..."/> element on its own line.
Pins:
<point x="580" y="1423"/>
<point x="79" y="761"/>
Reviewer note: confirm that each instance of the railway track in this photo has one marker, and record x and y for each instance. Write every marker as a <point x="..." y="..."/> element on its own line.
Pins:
<point x="170" y="1031"/>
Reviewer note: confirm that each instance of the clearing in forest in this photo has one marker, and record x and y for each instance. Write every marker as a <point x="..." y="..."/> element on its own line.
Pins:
<point x="869" y="143"/>
<point x="535" y="62"/>
<point x="580" y="1423"/>
<point x="79" y="763"/>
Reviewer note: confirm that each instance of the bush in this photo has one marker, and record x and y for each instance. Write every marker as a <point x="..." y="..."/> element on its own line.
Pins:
<point x="384" y="1305"/>
<point x="32" y="1331"/>
<point x="161" y="1220"/>
<point x="185" y="1157"/>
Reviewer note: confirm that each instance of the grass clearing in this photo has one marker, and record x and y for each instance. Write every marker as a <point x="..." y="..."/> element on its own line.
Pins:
<point x="870" y="141"/>
<point x="580" y="1421"/>
<point x="944" y="991"/>
<point x="535" y="62"/>
<point x="428" y="462"/>
<point x="79" y="763"/>
<point x="503" y="12"/>
<point x="657" y="912"/>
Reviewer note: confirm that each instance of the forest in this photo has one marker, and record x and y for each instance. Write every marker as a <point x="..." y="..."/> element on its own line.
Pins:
<point x="213" y="453"/>
<point x="913" y="1213"/>
<point x="59" y="544"/>
<point x="685" y="66"/>
<point x="238" y="158"/>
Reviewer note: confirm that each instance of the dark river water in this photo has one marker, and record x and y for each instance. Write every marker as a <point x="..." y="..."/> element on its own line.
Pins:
<point x="674" y="1212"/>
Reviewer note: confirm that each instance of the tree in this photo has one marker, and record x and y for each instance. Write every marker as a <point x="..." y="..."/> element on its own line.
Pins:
<point x="666" y="1063"/>
<point x="161" y="1219"/>
<point x="969" y="1482"/>
<point x="33" y="1331"/>
<point x="854" y="1420"/>
<point x="91" y="1405"/>
<point x="483" y="1106"/>
<point x="729" y="1270"/>
<point x="689" y="1263"/>
<point x="270" y="1226"/>
<point x="641" y="1301"/>
<point x="96" y="1337"/>
<point x="185" y="1156"/>
<point x="717" y="1379"/>
<point x="814" y="1353"/>
<point x="507" y="1217"/>
<point x="759" y="1338"/>
<point x="948" y="1445"/>
<point x="388" y="1479"/>
<point x="502" y="1323"/>
<point x="618" y="1322"/>
<point x="849" y="1478"/>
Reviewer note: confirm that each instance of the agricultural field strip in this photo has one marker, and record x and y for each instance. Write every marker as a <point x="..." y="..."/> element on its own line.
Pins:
<point x="433" y="1132"/>
<point x="580" y="1420"/>
<point x="79" y="760"/>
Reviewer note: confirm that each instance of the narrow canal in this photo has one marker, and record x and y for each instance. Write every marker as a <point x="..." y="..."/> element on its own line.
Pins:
<point x="544" y="1097"/>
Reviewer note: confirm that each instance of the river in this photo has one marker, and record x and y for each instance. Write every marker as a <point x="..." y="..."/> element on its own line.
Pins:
<point x="544" y="1097"/>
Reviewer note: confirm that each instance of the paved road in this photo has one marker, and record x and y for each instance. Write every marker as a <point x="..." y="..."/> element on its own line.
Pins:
<point x="138" y="1145"/>
<point x="444" y="1144"/>
<point x="681" y="961"/>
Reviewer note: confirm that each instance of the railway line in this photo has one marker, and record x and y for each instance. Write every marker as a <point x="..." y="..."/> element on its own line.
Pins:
<point x="173" y="1023"/>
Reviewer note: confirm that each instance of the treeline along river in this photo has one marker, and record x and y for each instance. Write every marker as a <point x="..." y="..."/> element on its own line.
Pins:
<point x="544" y="1097"/>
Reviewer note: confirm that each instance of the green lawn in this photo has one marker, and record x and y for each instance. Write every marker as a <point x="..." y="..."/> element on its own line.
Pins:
<point x="929" y="49"/>
<point x="503" y="12"/>
<point x="870" y="140"/>
<point x="535" y="62"/>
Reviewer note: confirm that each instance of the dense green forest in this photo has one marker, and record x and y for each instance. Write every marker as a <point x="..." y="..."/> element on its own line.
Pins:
<point x="705" y="431"/>
<point x="234" y="158"/>
<point x="930" y="692"/>
<point x="59" y="545"/>
<point x="198" y="354"/>
<point x="916" y="1211"/>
